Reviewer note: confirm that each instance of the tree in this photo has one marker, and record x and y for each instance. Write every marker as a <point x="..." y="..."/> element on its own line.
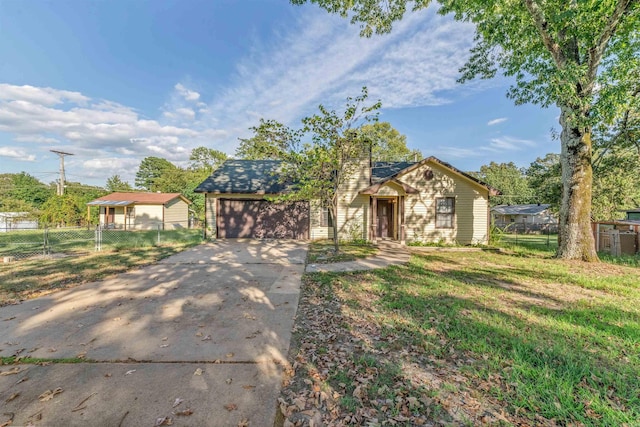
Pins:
<point x="581" y="56"/>
<point x="151" y="171"/>
<point x="271" y="140"/>
<point x="24" y="187"/>
<point x="206" y="159"/>
<point x="61" y="211"/>
<point x="115" y="183"/>
<point x="387" y="144"/>
<point x="615" y="186"/>
<point x="510" y="180"/>
<point x="545" y="180"/>
<point x="322" y="167"/>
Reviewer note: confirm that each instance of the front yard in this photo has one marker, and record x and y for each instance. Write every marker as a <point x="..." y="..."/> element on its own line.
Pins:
<point x="469" y="338"/>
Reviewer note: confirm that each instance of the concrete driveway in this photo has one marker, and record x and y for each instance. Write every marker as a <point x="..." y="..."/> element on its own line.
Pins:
<point x="201" y="338"/>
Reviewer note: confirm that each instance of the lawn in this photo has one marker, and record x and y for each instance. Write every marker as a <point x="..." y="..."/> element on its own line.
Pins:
<point x="322" y="251"/>
<point x="33" y="277"/>
<point x="469" y="338"/>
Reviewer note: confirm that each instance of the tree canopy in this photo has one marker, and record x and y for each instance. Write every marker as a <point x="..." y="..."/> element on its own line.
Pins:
<point x="151" y="171"/>
<point x="271" y="140"/>
<point x="115" y="183"/>
<point x="387" y="144"/>
<point x="510" y="180"/>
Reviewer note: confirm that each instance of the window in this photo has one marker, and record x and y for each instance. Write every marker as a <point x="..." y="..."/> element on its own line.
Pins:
<point x="325" y="218"/>
<point x="445" y="212"/>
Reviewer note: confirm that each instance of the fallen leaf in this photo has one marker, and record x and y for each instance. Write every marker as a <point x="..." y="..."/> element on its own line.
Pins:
<point x="177" y="402"/>
<point x="164" y="345"/>
<point x="52" y="350"/>
<point x="198" y="372"/>
<point x="79" y="406"/>
<point x="11" y="415"/>
<point x="248" y="387"/>
<point x="11" y="371"/>
<point x="230" y="354"/>
<point x="199" y="334"/>
<point x="13" y="396"/>
<point x="107" y="375"/>
<point x="243" y="423"/>
<point x="9" y="318"/>
<point x="184" y="413"/>
<point x="164" y="421"/>
<point x="130" y="372"/>
<point x="49" y="394"/>
<point x="82" y="355"/>
<point x="229" y="380"/>
<point x="165" y="338"/>
<point x="207" y="338"/>
<point x="21" y="380"/>
<point x="230" y="407"/>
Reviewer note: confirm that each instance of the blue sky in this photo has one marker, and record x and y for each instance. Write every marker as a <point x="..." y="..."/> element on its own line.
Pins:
<point x="115" y="81"/>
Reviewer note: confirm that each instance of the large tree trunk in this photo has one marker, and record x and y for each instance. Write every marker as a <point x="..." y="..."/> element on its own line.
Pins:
<point x="575" y="237"/>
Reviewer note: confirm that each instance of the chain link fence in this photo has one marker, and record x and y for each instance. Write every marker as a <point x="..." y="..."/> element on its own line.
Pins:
<point x="74" y="241"/>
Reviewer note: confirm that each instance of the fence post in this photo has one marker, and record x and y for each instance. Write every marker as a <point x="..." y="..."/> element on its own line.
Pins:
<point x="45" y="241"/>
<point x="98" y="238"/>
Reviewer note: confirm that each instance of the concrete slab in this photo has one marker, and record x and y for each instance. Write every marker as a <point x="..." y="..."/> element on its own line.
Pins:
<point x="139" y="394"/>
<point x="228" y="306"/>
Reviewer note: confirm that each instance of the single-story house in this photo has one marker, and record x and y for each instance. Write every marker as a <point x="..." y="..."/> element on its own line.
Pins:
<point x="429" y="201"/>
<point x="142" y="211"/>
<point x="17" y="221"/>
<point x="532" y="217"/>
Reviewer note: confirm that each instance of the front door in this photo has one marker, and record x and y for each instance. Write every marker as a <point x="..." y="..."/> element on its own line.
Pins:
<point x="385" y="218"/>
<point x="110" y="216"/>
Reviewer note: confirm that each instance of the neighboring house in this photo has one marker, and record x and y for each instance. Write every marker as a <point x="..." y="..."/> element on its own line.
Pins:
<point x="633" y="214"/>
<point x="143" y="211"/>
<point x="533" y="217"/>
<point x="17" y="221"/>
<point x="429" y="201"/>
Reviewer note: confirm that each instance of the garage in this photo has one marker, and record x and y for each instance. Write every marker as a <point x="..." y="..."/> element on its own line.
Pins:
<point x="261" y="219"/>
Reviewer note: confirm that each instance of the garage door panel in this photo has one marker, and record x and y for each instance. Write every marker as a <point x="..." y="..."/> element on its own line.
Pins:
<point x="262" y="219"/>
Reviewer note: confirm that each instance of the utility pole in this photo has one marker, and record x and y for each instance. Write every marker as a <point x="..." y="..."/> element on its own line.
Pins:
<point x="61" y="154"/>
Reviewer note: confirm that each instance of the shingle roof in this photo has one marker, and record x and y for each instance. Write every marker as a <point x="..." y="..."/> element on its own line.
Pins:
<point x="122" y="199"/>
<point x="519" y="209"/>
<point x="382" y="170"/>
<point x="244" y="176"/>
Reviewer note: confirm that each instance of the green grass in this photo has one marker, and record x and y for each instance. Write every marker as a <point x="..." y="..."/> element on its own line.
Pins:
<point x="541" y="242"/>
<point x="27" y="243"/>
<point x="31" y="278"/>
<point x="322" y="251"/>
<point x="544" y="340"/>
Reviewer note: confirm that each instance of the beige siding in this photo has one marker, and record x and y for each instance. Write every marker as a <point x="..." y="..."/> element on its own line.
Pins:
<point x="148" y="217"/>
<point x="176" y="214"/>
<point x="353" y="208"/>
<point x="210" y="214"/>
<point x="471" y="207"/>
<point x="318" y="232"/>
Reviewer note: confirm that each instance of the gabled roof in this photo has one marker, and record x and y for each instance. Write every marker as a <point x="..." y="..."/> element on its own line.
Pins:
<point x="125" y="199"/>
<point x="246" y="177"/>
<point x="396" y="169"/>
<point x="263" y="176"/>
<point x="534" y="209"/>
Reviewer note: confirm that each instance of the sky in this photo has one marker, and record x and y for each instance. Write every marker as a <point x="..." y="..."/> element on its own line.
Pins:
<point x="113" y="82"/>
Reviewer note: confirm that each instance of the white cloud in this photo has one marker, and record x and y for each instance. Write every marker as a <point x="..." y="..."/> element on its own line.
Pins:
<point x="17" y="153"/>
<point x="507" y="143"/>
<point x="317" y="58"/>
<point x="188" y="94"/>
<point x="496" y="121"/>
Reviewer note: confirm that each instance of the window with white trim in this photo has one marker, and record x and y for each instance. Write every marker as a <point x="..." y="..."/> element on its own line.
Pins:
<point x="445" y="212"/>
